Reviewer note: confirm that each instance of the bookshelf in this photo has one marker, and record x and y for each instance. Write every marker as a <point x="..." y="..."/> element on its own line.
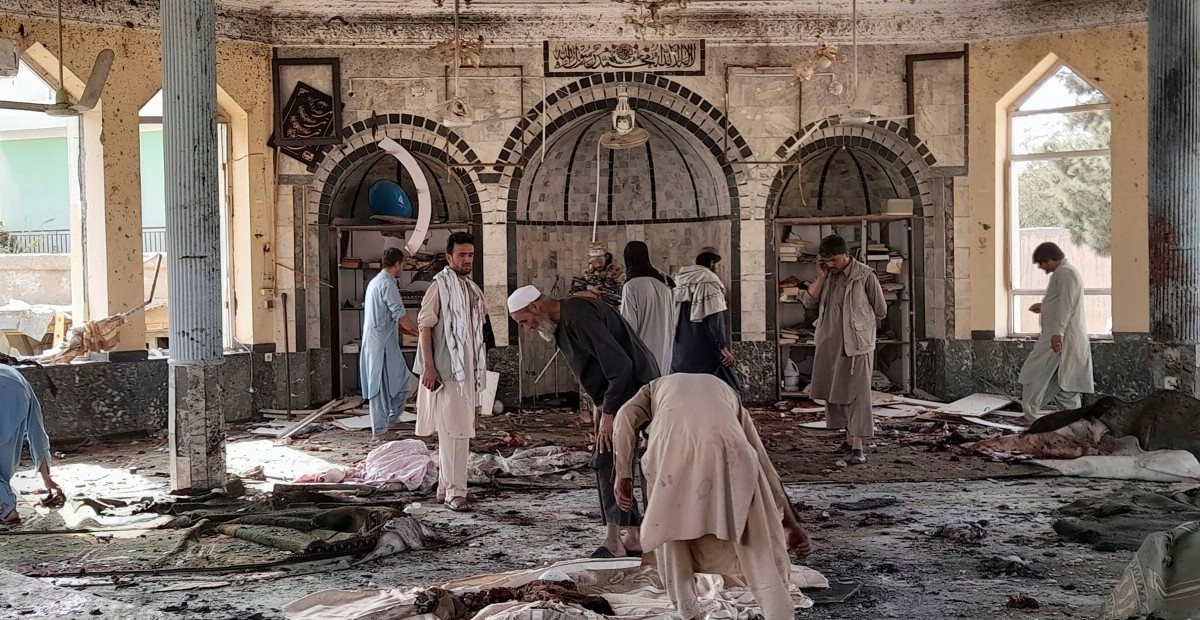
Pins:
<point x="358" y="249"/>
<point x="884" y="243"/>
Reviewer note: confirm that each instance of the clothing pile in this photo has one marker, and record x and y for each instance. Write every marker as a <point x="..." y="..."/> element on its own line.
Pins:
<point x="633" y="591"/>
<point x="446" y="605"/>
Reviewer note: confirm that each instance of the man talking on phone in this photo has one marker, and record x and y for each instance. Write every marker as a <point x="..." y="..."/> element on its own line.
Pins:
<point x="452" y="363"/>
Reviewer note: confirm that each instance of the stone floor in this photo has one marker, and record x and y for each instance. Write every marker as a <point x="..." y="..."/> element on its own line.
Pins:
<point x="905" y="571"/>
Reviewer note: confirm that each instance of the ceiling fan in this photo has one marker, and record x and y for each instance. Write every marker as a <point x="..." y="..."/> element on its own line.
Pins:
<point x="456" y="113"/>
<point x="854" y="113"/>
<point x="62" y="106"/>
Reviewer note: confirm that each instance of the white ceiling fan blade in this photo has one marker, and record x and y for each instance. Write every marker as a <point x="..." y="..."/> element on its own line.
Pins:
<point x="95" y="83"/>
<point x="497" y="119"/>
<point x="25" y="107"/>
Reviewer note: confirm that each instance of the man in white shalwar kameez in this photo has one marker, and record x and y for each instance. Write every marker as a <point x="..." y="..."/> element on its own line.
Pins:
<point x="1059" y="369"/>
<point x="714" y="503"/>
<point x="452" y="362"/>
<point x="648" y="304"/>
<point x="383" y="372"/>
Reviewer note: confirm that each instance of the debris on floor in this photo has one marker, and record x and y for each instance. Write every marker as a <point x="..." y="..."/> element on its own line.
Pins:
<point x="966" y="533"/>
<point x="631" y="591"/>
<point x="1020" y="601"/>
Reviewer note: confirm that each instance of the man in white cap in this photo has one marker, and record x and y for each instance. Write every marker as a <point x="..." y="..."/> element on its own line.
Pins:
<point x="612" y="364"/>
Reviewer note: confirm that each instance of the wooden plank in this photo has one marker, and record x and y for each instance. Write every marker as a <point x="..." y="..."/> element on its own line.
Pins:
<point x="312" y="417"/>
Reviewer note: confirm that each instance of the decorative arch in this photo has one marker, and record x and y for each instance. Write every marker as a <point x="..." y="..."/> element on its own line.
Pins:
<point x="686" y="111"/>
<point x="889" y="140"/>
<point x="420" y="135"/>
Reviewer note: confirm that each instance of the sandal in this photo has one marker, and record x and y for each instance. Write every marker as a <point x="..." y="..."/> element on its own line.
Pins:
<point x="634" y="553"/>
<point x="12" y="518"/>
<point x="602" y="553"/>
<point x="459" y="504"/>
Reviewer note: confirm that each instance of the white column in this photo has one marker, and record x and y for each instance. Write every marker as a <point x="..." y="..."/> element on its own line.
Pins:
<point x="197" y="417"/>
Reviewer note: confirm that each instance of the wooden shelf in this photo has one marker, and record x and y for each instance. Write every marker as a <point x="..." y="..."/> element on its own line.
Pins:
<point x="398" y="227"/>
<point x="844" y="219"/>
<point x="809" y="345"/>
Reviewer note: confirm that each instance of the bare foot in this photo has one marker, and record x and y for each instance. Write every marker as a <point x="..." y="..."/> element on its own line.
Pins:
<point x="12" y="518"/>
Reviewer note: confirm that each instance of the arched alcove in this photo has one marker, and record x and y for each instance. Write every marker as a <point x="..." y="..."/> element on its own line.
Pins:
<point x="349" y="203"/>
<point x="677" y="192"/>
<point x="840" y="181"/>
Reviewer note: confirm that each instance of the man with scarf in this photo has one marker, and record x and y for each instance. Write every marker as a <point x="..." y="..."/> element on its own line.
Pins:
<point x="647" y="303"/>
<point x="452" y="362"/>
<point x="386" y="380"/>
<point x="612" y="364"/>
<point x="852" y="304"/>
<point x="701" y="340"/>
<point x="20" y="422"/>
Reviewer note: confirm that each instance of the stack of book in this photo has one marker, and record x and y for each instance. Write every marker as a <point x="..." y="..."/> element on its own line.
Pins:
<point x="789" y="289"/>
<point x="795" y="249"/>
<point x="795" y="335"/>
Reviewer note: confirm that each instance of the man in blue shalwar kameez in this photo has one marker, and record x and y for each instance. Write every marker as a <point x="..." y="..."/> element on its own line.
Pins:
<point x="20" y="421"/>
<point x="383" y="372"/>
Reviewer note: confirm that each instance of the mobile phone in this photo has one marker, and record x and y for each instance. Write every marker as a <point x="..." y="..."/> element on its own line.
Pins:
<point x="437" y="387"/>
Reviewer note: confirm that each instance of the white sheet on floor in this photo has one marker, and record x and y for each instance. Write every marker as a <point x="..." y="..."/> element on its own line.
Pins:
<point x="634" y="591"/>
<point x="1132" y="463"/>
<point x="523" y="463"/>
<point x="409" y="462"/>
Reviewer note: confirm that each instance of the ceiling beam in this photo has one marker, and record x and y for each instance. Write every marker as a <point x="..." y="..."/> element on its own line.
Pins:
<point x="779" y="22"/>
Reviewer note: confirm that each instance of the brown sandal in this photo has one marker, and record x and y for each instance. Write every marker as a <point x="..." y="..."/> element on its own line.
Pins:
<point x="12" y="518"/>
<point x="459" y="504"/>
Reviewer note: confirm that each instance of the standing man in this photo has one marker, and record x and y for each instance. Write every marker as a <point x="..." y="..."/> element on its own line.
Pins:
<point x="714" y="501"/>
<point x="1060" y="367"/>
<point x="20" y="422"/>
<point x="452" y="362"/>
<point x="851" y="305"/>
<point x="647" y="304"/>
<point x="386" y="380"/>
<point x="612" y="364"/>
<point x="701" y="339"/>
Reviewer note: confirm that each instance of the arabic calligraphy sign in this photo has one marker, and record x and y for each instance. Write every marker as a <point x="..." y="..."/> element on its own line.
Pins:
<point x="565" y="58"/>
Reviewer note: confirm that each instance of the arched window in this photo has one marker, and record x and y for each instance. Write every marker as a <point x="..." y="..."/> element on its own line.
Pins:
<point x="1060" y="190"/>
<point x="35" y="172"/>
<point x="154" y="222"/>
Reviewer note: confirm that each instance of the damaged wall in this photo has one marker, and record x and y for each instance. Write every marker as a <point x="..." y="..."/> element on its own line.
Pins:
<point x="110" y="279"/>
<point x="1130" y="365"/>
<point x="766" y="114"/>
<point x="1114" y="59"/>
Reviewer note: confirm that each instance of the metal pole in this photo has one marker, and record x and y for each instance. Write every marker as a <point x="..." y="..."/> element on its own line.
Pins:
<point x="1174" y="170"/>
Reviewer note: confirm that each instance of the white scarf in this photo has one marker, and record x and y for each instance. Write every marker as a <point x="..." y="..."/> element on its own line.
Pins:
<point x="703" y="288"/>
<point x="455" y="323"/>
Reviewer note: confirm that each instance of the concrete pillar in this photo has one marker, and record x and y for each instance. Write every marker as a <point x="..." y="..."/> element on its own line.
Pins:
<point x="1174" y="170"/>
<point x="197" y="417"/>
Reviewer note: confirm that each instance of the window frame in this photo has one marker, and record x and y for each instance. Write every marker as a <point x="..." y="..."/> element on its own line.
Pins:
<point x="1012" y="266"/>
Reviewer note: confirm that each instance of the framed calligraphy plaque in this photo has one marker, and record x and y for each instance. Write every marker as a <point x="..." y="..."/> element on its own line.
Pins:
<point x="311" y="116"/>
<point x="567" y="58"/>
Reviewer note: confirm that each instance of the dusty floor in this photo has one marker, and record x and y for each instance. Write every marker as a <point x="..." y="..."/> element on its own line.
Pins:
<point x="905" y="572"/>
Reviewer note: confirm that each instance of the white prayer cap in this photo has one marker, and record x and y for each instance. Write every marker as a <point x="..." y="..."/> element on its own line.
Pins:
<point x="522" y="297"/>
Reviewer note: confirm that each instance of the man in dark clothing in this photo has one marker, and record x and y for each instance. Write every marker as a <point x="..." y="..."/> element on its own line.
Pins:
<point x="701" y="344"/>
<point x="612" y="364"/>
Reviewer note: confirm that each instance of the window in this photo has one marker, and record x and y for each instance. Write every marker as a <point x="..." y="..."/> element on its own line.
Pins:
<point x="1060" y="190"/>
<point x="154" y="232"/>
<point x="35" y="171"/>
